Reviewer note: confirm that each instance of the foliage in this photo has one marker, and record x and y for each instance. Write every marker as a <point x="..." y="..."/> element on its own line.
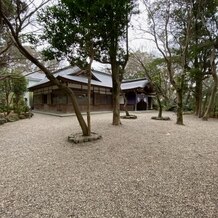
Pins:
<point x="12" y="89"/>
<point x="79" y="24"/>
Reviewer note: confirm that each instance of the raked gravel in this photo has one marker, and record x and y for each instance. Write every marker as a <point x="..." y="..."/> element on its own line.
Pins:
<point x="144" y="168"/>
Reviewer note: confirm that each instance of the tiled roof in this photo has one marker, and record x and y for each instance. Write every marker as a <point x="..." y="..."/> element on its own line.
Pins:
<point x="66" y="71"/>
<point x="85" y="80"/>
<point x="35" y="76"/>
<point x="62" y="72"/>
<point x="105" y="78"/>
<point x="134" y="84"/>
<point x="102" y="79"/>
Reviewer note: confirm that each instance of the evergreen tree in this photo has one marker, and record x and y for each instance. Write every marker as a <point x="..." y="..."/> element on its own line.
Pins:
<point x="92" y="27"/>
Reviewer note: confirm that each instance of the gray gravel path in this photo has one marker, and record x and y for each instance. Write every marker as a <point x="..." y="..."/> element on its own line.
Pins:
<point x="145" y="168"/>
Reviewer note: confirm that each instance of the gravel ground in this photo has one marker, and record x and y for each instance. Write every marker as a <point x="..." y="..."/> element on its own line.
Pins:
<point x="145" y="168"/>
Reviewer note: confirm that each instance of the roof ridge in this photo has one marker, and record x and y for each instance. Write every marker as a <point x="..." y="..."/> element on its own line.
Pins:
<point x="133" y="80"/>
<point x="65" y="68"/>
<point x="97" y="71"/>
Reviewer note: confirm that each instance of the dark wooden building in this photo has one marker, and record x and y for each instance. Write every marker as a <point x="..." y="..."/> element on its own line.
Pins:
<point x="48" y="97"/>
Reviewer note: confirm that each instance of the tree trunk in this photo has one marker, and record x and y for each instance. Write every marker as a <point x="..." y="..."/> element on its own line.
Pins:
<point x="198" y="73"/>
<point x="88" y="105"/>
<point x="116" y="94"/>
<point x="205" y="103"/>
<point x="125" y="105"/>
<point x="89" y="95"/>
<point x="160" y="108"/>
<point x="77" y="111"/>
<point x="179" y="107"/>
<point x="198" y="94"/>
<point x="214" y="89"/>
<point x="7" y="103"/>
<point x="212" y="100"/>
<point x="186" y="101"/>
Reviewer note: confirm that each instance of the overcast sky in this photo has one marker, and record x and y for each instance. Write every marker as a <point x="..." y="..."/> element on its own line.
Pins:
<point x="138" y="39"/>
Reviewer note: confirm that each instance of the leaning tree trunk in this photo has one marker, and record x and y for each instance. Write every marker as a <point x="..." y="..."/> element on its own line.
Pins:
<point x="179" y="107"/>
<point x="55" y="81"/>
<point x="77" y="111"/>
<point x="49" y="75"/>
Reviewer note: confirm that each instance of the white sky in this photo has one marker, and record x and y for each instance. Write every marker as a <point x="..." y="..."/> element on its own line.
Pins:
<point x="138" y="39"/>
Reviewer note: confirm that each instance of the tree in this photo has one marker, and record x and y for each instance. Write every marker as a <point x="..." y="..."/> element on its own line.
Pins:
<point x="170" y="23"/>
<point x="19" y="87"/>
<point x="185" y="33"/>
<point x="114" y="33"/>
<point x="204" y="23"/>
<point x="15" y="27"/>
<point x="95" y="29"/>
<point x="6" y="91"/>
<point x="5" y="41"/>
<point x="214" y="89"/>
<point x="209" y="20"/>
<point x="74" y="23"/>
<point x="154" y="70"/>
<point x="12" y="89"/>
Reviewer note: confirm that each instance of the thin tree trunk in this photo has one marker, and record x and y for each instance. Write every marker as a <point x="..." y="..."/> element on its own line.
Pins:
<point x="215" y="108"/>
<point x="7" y="103"/>
<point x="198" y="95"/>
<point x="204" y="105"/>
<point x="89" y="95"/>
<point x="179" y="107"/>
<point x="88" y="105"/>
<point x="125" y="105"/>
<point x="160" y="108"/>
<point x="187" y="98"/>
